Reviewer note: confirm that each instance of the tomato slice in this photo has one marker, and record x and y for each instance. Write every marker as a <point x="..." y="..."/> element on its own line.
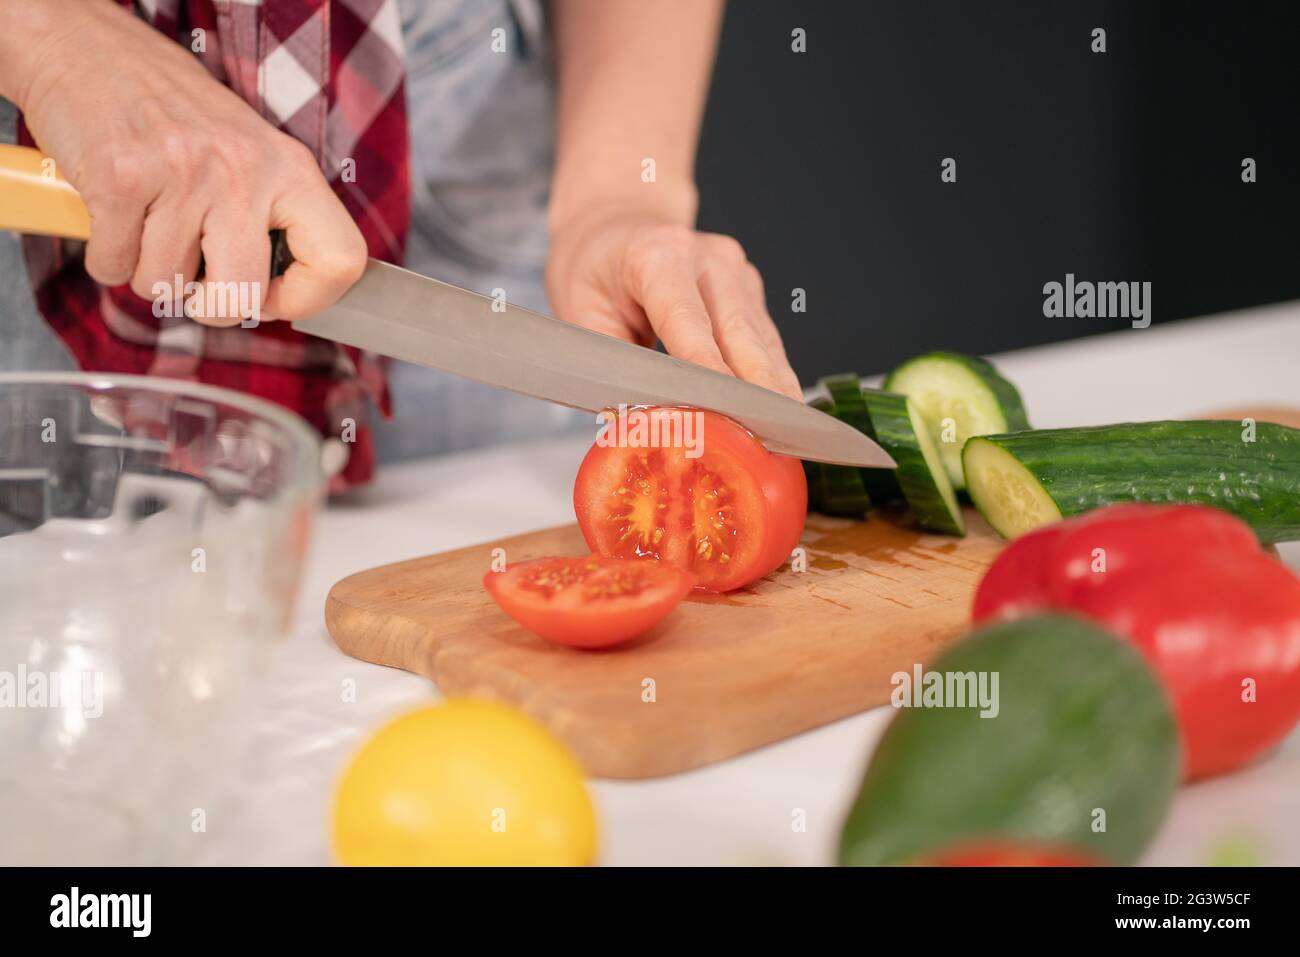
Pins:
<point x="707" y="498"/>
<point x="589" y="602"/>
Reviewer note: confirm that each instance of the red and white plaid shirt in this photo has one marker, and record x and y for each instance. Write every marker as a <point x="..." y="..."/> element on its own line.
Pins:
<point x="329" y="73"/>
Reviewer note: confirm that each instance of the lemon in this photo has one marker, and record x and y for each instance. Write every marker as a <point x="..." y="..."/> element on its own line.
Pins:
<point x="468" y="782"/>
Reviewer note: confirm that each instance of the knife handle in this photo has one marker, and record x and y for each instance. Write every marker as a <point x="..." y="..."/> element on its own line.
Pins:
<point x="37" y="201"/>
<point x="281" y="258"/>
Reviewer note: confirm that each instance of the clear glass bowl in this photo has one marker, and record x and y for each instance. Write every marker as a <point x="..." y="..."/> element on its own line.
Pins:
<point x="151" y="538"/>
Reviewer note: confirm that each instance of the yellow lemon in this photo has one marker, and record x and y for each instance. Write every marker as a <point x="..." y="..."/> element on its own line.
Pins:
<point x="468" y="782"/>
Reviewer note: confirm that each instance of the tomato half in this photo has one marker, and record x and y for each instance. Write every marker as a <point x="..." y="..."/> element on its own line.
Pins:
<point x="719" y="506"/>
<point x="589" y="602"/>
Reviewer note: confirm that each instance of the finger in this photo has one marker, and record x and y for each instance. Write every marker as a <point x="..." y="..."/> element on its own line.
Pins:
<point x="662" y="280"/>
<point x="329" y="251"/>
<point x="732" y="312"/>
<point x="169" y="247"/>
<point x="627" y="325"/>
<point x="116" y="225"/>
<point x="236" y="269"/>
<point x="768" y="331"/>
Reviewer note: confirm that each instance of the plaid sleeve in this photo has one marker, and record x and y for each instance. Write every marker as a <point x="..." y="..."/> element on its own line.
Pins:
<point x="331" y="74"/>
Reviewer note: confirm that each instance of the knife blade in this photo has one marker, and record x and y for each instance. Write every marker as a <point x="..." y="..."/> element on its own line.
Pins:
<point x="402" y="314"/>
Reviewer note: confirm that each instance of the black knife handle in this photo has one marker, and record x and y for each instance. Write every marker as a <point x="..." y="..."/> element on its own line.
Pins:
<point x="281" y="258"/>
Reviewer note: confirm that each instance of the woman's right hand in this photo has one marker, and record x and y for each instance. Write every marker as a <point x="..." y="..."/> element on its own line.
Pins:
<point x="172" y="164"/>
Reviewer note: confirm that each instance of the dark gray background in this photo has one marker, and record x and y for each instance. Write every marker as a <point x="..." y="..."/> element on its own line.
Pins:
<point x="1117" y="166"/>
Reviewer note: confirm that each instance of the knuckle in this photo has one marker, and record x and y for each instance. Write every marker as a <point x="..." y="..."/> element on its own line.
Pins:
<point x="670" y="237"/>
<point x="299" y="160"/>
<point x="125" y="170"/>
<point x="107" y="274"/>
<point x="176" y="147"/>
<point x="736" y="323"/>
<point x="343" y="262"/>
<point x="143" y="286"/>
<point x="706" y="358"/>
<point x="640" y="263"/>
<point x="237" y="155"/>
<point x="681" y="313"/>
<point x="107" y="265"/>
<point x="726" y="248"/>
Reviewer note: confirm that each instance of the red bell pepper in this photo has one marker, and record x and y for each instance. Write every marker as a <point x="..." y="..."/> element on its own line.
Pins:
<point x="1216" y="616"/>
<point x="1007" y="854"/>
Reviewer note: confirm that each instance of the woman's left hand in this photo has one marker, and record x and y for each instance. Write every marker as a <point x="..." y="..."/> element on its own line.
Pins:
<point x="640" y="277"/>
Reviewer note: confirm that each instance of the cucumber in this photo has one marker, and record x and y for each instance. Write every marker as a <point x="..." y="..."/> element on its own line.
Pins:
<point x="840" y="489"/>
<point x="1082" y="728"/>
<point x="895" y="422"/>
<point x="1026" y="479"/>
<point x="959" y="396"/>
<point x="815" y="476"/>
<point x="845" y="390"/>
<point x="897" y="425"/>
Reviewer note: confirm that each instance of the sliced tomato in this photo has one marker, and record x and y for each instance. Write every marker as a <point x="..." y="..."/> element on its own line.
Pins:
<point x="589" y="602"/>
<point x="719" y="505"/>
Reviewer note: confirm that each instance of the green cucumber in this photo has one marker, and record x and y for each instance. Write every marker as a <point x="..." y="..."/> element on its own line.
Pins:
<point x="842" y="492"/>
<point x="959" y="396"/>
<point x="814" y="474"/>
<point x="1083" y="751"/>
<point x="895" y="422"/>
<point x="840" y="489"/>
<point x="845" y="391"/>
<point x="1026" y="479"/>
<point x="898" y="427"/>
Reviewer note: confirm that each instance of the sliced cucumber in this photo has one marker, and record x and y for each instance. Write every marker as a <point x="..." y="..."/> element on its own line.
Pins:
<point x="1026" y="479"/>
<point x="960" y="396"/>
<point x="845" y="390"/>
<point x="898" y="426"/>
<point x="839" y="488"/>
<point x="814" y="474"/>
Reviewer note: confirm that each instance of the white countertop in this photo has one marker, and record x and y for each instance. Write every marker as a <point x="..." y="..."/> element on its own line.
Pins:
<point x="739" y="811"/>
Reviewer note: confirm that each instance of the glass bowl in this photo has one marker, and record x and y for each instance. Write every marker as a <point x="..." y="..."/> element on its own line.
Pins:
<point x="151" y="538"/>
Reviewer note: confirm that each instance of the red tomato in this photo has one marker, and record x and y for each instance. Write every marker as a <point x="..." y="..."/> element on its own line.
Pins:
<point x="727" y="516"/>
<point x="1000" y="854"/>
<point x="589" y="602"/>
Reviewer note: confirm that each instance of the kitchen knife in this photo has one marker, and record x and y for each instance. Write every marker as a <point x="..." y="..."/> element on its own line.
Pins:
<point x="398" y="313"/>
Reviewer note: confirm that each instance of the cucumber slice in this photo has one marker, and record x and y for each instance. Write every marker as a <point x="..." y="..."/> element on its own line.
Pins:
<point x="898" y="426"/>
<point x="1026" y="479"/>
<point x="816" y="479"/>
<point x="960" y="396"/>
<point x="840" y="490"/>
<point x="845" y="390"/>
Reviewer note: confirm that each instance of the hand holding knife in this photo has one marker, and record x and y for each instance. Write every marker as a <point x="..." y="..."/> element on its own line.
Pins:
<point x="398" y="313"/>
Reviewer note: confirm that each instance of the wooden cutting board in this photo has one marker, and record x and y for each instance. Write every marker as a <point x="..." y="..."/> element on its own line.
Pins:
<point x="722" y="674"/>
<point x="725" y="673"/>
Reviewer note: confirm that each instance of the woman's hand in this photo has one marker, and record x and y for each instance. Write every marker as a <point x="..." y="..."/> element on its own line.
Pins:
<point x="641" y="277"/>
<point x="172" y="164"/>
<point x="624" y="261"/>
